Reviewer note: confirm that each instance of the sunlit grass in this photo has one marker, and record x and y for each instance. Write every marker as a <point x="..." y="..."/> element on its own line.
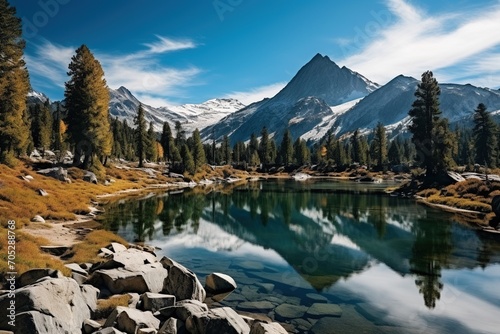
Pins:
<point x="27" y="254"/>
<point x="106" y="306"/>
<point x="87" y="250"/>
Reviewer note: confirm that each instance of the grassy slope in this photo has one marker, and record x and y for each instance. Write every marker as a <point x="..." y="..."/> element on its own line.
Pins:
<point x="20" y="201"/>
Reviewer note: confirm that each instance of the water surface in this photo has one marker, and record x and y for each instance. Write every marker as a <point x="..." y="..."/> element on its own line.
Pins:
<point x="391" y="265"/>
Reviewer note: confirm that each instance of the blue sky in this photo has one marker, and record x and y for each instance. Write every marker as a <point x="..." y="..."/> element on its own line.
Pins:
<point x="171" y="52"/>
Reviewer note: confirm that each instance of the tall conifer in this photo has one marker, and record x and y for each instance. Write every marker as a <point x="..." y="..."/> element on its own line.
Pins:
<point x="87" y="102"/>
<point x="14" y="85"/>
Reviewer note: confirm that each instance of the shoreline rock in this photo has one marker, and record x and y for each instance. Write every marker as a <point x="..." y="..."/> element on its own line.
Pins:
<point x="172" y="299"/>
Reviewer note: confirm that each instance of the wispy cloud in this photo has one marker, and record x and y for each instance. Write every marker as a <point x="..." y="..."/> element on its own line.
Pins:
<point x="257" y="94"/>
<point x="168" y="45"/>
<point x="141" y="72"/>
<point x="414" y="40"/>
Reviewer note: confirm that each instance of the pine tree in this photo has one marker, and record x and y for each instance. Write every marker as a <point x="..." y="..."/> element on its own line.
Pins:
<point x="394" y="155"/>
<point x="265" y="147"/>
<point x="302" y="154"/>
<point x="286" y="149"/>
<point x="198" y="151"/>
<point x="14" y="85"/>
<point x="428" y="128"/>
<point x="41" y="126"/>
<point x="226" y="150"/>
<point x="151" y="150"/>
<point x="141" y="135"/>
<point x="87" y="102"/>
<point x="380" y="145"/>
<point x="187" y="160"/>
<point x="485" y="137"/>
<point x="180" y="135"/>
<point x="357" y="152"/>
<point x="166" y="139"/>
<point x="253" y="146"/>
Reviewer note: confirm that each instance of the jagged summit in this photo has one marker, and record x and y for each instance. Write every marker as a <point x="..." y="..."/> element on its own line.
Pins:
<point x="323" y="78"/>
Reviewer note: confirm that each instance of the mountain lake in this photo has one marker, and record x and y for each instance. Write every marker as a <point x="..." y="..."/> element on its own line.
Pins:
<point x="326" y="256"/>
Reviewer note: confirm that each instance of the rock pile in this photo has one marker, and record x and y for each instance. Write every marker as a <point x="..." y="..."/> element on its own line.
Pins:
<point x="167" y="298"/>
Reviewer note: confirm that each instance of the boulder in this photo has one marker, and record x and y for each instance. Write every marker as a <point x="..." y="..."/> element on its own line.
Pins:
<point x="116" y="247"/>
<point x="141" y="279"/>
<point x="55" y="250"/>
<point x="90" y="177"/>
<point x="76" y="268"/>
<point x="52" y="305"/>
<point x="42" y="192"/>
<point x="155" y="301"/>
<point x="216" y="321"/>
<point x="218" y="286"/>
<point x="38" y="219"/>
<point x="79" y="278"/>
<point x="263" y="328"/>
<point x="169" y="327"/>
<point x="263" y="306"/>
<point x="182" y="282"/>
<point x="495" y="205"/>
<point x="31" y="276"/>
<point x="109" y="330"/>
<point x="183" y="310"/>
<point x="90" y="294"/>
<point x="57" y="173"/>
<point x="129" y="258"/>
<point x="90" y="326"/>
<point x="130" y="320"/>
<point x="36" y="322"/>
<point x="147" y="331"/>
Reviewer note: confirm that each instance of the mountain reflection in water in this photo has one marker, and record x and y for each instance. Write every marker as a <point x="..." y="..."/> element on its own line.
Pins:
<point x="330" y="233"/>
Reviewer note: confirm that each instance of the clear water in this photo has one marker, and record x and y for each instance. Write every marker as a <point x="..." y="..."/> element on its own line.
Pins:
<point x="389" y="264"/>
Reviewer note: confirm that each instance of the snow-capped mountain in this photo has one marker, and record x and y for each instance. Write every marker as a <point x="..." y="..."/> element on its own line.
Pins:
<point x="123" y="104"/>
<point x="323" y="96"/>
<point x="390" y="105"/>
<point x="35" y="97"/>
<point x="303" y="104"/>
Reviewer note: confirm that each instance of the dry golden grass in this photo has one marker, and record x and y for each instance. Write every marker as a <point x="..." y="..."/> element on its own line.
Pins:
<point x="28" y="254"/>
<point x="86" y="251"/>
<point x="460" y="203"/>
<point x="106" y="306"/>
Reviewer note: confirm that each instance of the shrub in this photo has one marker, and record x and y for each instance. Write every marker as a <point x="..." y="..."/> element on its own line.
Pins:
<point x="428" y="192"/>
<point x="461" y="203"/>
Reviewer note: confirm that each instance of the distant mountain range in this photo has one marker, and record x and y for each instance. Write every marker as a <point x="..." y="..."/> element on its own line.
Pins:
<point x="322" y="96"/>
<point x="124" y="105"/>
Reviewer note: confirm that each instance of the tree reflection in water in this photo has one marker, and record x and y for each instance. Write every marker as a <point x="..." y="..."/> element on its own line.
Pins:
<point x="324" y="233"/>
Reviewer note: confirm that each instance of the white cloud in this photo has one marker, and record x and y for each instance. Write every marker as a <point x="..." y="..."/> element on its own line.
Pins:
<point x="257" y="94"/>
<point x="413" y="41"/>
<point x="168" y="45"/>
<point x="141" y="72"/>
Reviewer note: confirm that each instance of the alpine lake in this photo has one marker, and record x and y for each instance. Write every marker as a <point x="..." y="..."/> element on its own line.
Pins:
<point x="339" y="257"/>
